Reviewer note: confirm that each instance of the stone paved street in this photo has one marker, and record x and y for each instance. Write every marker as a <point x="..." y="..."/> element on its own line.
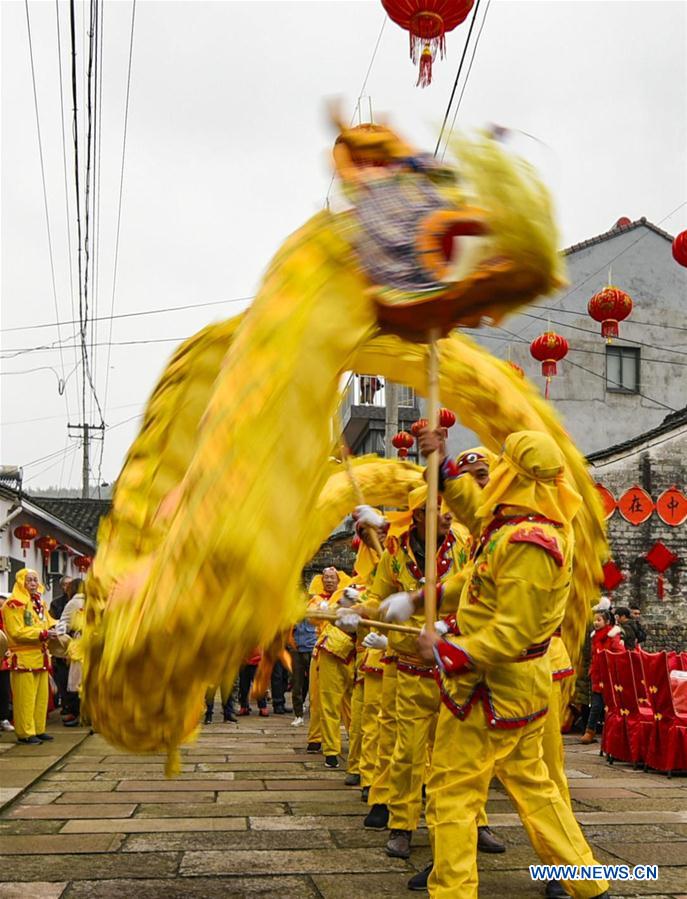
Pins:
<point x="252" y="814"/>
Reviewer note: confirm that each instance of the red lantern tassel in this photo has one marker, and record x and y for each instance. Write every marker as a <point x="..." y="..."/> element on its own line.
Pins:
<point x="424" y="78"/>
<point x="659" y="589"/>
<point x="609" y="329"/>
<point x="546" y="392"/>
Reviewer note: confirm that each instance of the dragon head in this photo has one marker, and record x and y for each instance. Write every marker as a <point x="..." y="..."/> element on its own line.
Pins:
<point x="445" y="245"/>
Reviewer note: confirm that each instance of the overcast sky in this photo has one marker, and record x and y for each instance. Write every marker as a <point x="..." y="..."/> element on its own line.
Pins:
<point x="227" y="153"/>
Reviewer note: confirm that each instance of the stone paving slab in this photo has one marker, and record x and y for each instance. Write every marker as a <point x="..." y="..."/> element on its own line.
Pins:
<point x="116" y="797"/>
<point x="38" y="890"/>
<point x="94" y="866"/>
<point x="191" y="786"/>
<point x="364" y="886"/>
<point x="195" y="887"/>
<point x="59" y="843"/>
<point x="155" y="825"/>
<point x="297" y="862"/>
<point x="229" y="840"/>
<point x="71" y="811"/>
<point x="206" y="810"/>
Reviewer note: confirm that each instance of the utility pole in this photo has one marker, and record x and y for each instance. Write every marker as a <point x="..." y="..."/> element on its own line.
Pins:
<point x="391" y="417"/>
<point x="85" y="433"/>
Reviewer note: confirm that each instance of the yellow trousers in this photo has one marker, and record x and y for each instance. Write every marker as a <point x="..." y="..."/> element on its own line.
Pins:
<point x="336" y="684"/>
<point x="369" y="727"/>
<point x="30" y="702"/>
<point x="417" y="705"/>
<point x="552" y="744"/>
<point x="467" y="754"/>
<point x="314" y="729"/>
<point x="355" y="734"/>
<point x="386" y="722"/>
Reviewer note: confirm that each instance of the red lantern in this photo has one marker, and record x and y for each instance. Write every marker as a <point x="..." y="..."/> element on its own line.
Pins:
<point x="549" y="348"/>
<point x="610" y="306"/>
<point x="680" y="248"/>
<point x="25" y="533"/>
<point x="519" y="371"/>
<point x="83" y="563"/>
<point x="446" y="418"/>
<point x="402" y="441"/>
<point x="418" y="425"/>
<point x="46" y="545"/>
<point x="427" y="21"/>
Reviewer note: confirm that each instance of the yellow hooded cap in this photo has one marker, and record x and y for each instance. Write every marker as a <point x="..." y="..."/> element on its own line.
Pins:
<point x="19" y="590"/>
<point x="530" y="474"/>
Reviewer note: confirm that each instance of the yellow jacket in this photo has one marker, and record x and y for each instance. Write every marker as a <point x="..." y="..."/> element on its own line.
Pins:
<point x="332" y="639"/>
<point x="510" y="606"/>
<point x="26" y="631"/>
<point x="398" y="571"/>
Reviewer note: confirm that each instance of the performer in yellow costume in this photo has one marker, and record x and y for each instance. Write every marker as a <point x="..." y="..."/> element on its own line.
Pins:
<point x="496" y="677"/>
<point x="401" y="572"/>
<point x="332" y="667"/>
<point x="28" y="626"/>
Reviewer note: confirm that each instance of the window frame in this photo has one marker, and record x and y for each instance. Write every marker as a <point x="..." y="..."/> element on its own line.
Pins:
<point x="619" y="351"/>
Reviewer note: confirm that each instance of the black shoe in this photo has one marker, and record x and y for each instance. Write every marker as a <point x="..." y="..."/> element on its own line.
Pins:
<point x="365" y="792"/>
<point x="229" y="713"/>
<point x="279" y="710"/>
<point x="377" y="818"/>
<point x="208" y="714"/>
<point x="331" y="761"/>
<point x="554" y="890"/>
<point x="352" y="780"/>
<point x="399" y="844"/>
<point x="418" y="882"/>
<point x="44" y="738"/>
<point x="487" y="841"/>
<point x="73" y="723"/>
<point x="314" y="747"/>
<point x="34" y="741"/>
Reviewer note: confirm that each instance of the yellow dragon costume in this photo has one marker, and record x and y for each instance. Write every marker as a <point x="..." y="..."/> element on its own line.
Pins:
<point x="179" y="591"/>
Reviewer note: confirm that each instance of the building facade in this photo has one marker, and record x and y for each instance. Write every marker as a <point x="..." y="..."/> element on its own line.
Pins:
<point x="637" y="473"/>
<point x="73" y="541"/>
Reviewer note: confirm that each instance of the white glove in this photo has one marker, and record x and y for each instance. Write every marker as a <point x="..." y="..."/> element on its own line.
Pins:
<point x="366" y="516"/>
<point x="61" y="628"/>
<point x="348" y="621"/>
<point x="441" y="628"/>
<point x="375" y="641"/>
<point x="398" y="607"/>
<point x="324" y="604"/>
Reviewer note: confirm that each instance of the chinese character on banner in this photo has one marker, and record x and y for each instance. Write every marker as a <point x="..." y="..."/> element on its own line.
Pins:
<point x="660" y="558"/>
<point x="608" y="500"/>
<point x="671" y="507"/>
<point x="636" y="505"/>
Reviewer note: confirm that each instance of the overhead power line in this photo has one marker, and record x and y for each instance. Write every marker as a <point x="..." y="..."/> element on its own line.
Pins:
<point x="458" y="73"/>
<point x="45" y="193"/>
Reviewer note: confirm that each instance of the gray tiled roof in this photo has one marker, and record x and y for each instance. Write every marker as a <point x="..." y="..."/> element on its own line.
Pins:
<point x="82" y="514"/>
<point x="614" y="232"/>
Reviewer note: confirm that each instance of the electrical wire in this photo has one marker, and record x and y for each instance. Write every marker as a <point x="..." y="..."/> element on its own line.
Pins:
<point x="467" y="77"/>
<point x="604" y="378"/>
<point x="64" y="169"/>
<point x="121" y="191"/>
<point x="45" y="193"/>
<point x="106" y="318"/>
<point x="360" y="95"/>
<point x="458" y="73"/>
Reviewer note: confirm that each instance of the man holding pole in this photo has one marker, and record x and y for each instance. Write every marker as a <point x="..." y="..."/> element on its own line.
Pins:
<point x="495" y="676"/>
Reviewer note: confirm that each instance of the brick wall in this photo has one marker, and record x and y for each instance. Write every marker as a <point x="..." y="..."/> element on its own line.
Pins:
<point x="655" y="466"/>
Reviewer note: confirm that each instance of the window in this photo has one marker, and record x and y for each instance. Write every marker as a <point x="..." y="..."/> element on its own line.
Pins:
<point x="622" y="369"/>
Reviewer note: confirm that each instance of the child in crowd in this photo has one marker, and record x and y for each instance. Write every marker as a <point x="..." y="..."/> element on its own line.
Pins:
<point x="605" y="635"/>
